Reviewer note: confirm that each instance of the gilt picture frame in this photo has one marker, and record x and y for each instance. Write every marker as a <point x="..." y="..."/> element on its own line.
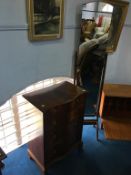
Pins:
<point x="45" y="19"/>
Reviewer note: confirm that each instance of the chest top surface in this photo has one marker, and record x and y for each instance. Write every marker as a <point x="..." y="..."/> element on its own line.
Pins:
<point x="54" y="95"/>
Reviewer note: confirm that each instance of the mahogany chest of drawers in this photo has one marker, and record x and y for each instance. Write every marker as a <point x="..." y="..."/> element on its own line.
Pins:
<point x="60" y="130"/>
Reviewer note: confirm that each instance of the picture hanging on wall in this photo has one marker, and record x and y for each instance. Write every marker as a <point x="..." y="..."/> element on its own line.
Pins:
<point x="45" y="18"/>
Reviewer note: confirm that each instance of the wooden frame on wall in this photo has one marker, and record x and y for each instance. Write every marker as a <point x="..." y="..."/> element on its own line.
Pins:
<point x="45" y="19"/>
<point x="117" y="22"/>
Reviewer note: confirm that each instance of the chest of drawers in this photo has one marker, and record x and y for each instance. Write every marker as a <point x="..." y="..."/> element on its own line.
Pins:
<point x="60" y="130"/>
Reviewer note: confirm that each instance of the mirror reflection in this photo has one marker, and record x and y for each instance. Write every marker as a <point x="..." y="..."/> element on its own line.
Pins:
<point x="101" y="25"/>
<point x="96" y="21"/>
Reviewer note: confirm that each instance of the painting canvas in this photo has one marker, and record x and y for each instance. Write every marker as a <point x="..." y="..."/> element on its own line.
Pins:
<point x="45" y="19"/>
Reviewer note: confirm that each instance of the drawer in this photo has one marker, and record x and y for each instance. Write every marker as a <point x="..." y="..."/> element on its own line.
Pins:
<point x="74" y="131"/>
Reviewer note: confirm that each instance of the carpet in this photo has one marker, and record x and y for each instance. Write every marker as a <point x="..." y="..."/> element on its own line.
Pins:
<point x="104" y="157"/>
<point x="117" y="129"/>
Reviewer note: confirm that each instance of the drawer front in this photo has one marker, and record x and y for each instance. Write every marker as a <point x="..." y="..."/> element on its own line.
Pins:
<point x="76" y="109"/>
<point x="55" y="117"/>
<point x="63" y="128"/>
<point x="74" y="131"/>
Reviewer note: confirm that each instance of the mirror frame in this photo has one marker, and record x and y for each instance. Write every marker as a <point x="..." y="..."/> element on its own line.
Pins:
<point x="124" y="6"/>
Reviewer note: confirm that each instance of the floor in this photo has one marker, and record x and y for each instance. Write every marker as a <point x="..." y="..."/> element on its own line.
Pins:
<point x="106" y="157"/>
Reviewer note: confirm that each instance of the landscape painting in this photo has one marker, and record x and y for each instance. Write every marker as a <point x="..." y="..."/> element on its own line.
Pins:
<point x="45" y="19"/>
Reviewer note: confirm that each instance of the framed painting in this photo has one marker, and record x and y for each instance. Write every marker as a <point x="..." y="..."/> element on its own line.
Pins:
<point x="45" y="19"/>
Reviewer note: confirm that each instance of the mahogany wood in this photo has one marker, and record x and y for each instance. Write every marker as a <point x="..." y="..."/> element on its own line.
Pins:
<point x="62" y="106"/>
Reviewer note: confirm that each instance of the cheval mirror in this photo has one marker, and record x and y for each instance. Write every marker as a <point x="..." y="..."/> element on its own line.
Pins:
<point x="101" y="26"/>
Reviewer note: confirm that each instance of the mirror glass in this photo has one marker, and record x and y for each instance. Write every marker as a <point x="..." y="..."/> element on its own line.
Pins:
<point x="103" y="20"/>
<point x="96" y="22"/>
<point x="101" y="25"/>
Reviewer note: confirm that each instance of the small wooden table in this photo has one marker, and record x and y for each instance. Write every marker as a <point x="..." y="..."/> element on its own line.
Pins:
<point x="115" y="110"/>
<point x="2" y="156"/>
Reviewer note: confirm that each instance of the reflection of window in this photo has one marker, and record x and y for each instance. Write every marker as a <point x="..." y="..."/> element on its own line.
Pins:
<point x="107" y="8"/>
<point x="18" y="123"/>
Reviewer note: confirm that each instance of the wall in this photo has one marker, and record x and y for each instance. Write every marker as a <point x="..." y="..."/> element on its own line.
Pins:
<point x="118" y="65"/>
<point x="23" y="63"/>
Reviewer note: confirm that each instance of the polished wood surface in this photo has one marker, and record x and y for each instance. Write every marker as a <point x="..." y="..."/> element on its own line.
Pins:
<point x="117" y="90"/>
<point x="60" y="130"/>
